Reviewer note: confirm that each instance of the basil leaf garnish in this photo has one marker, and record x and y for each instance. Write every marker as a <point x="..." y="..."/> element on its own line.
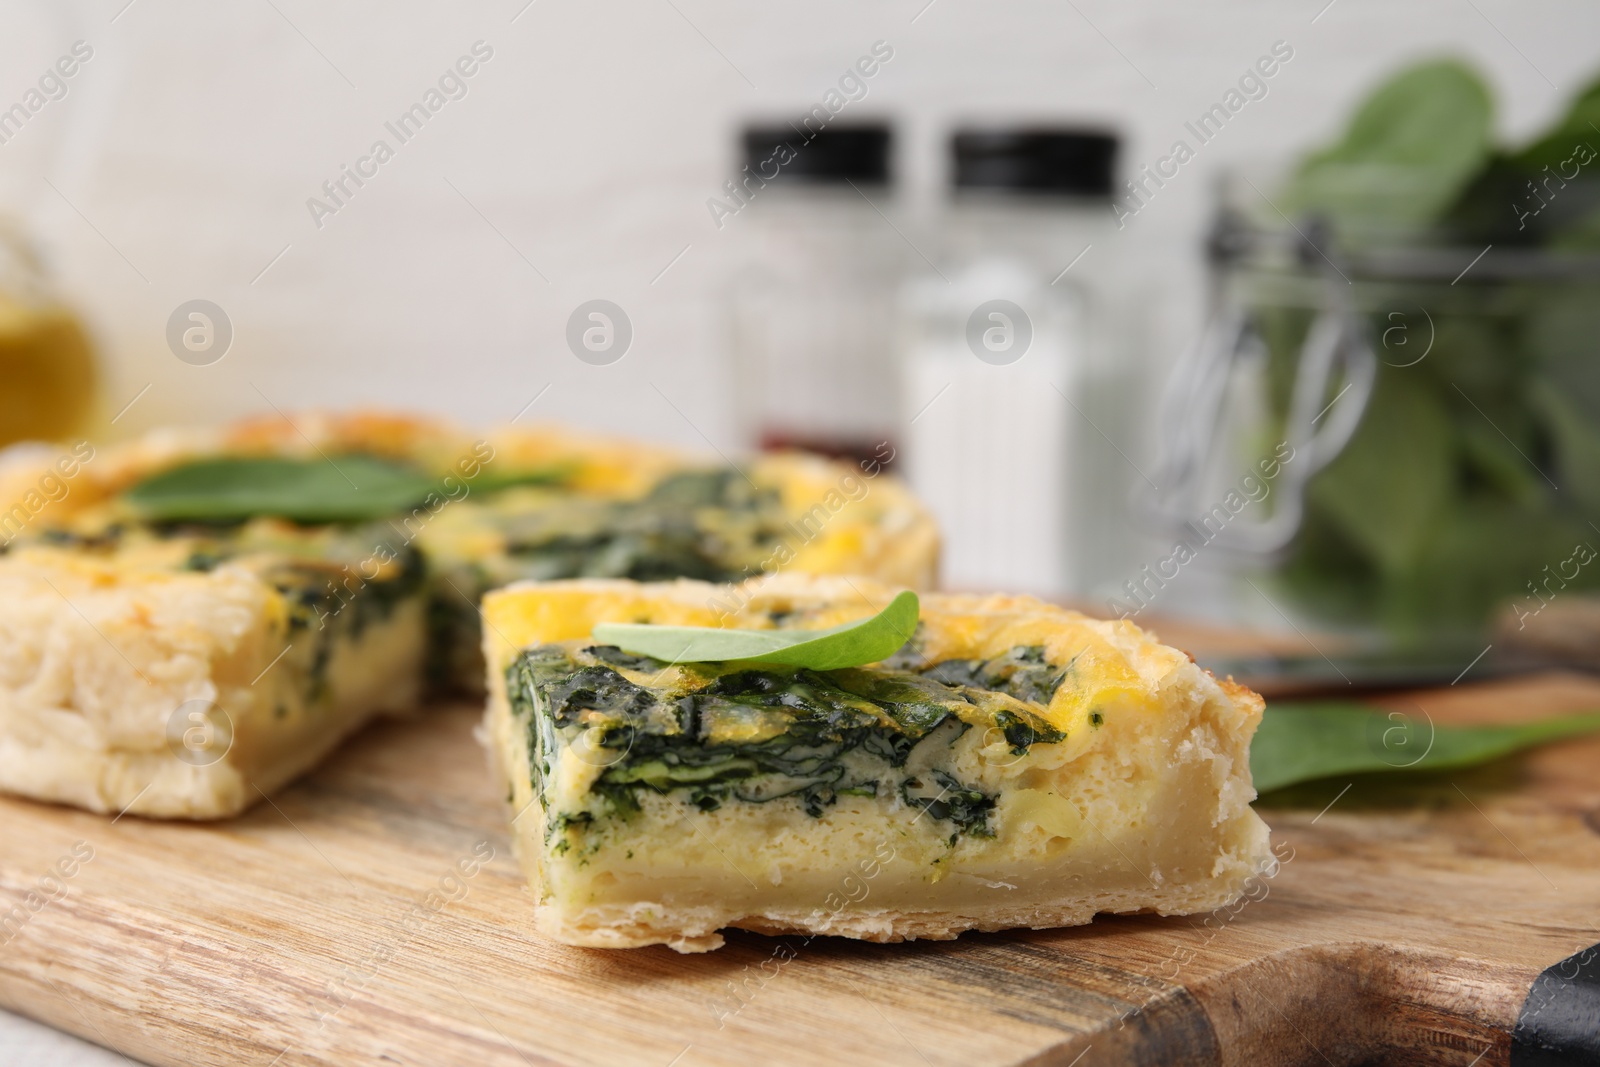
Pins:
<point x="352" y="487"/>
<point x="851" y="645"/>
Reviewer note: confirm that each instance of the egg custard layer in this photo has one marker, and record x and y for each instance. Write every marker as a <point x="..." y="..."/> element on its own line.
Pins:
<point x="1016" y="764"/>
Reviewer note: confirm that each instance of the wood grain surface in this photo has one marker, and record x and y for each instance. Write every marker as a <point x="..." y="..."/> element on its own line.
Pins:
<point x="372" y="914"/>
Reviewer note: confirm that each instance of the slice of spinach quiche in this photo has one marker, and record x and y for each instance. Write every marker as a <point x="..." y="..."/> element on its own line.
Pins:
<point x="199" y="616"/>
<point x="1015" y="764"/>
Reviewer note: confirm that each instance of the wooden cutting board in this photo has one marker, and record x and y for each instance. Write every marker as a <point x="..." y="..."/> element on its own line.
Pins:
<point x="372" y="914"/>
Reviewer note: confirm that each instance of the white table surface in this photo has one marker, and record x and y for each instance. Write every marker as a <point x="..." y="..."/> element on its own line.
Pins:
<point x="25" y="1043"/>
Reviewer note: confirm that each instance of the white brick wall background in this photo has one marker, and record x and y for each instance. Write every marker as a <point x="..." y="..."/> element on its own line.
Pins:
<point x="179" y="163"/>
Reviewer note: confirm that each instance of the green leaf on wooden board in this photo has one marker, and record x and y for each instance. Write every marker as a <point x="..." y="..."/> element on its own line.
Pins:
<point x="1301" y="742"/>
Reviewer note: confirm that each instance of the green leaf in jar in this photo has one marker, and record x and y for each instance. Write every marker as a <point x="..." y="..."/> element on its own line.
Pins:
<point x="1391" y="483"/>
<point x="1410" y="149"/>
<point x="1555" y="147"/>
<point x="1577" y="444"/>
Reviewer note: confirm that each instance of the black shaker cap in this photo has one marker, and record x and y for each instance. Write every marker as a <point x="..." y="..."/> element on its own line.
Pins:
<point x="1039" y="159"/>
<point x="857" y="152"/>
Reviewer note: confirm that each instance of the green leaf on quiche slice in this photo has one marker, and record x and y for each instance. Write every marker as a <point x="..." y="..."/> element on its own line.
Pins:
<point x="853" y="644"/>
<point x="347" y="488"/>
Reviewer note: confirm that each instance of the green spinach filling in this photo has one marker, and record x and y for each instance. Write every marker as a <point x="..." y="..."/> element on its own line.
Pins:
<point x="707" y="524"/>
<point x="710" y="524"/>
<point x="1023" y="672"/>
<point x="711" y="734"/>
<point x="327" y="605"/>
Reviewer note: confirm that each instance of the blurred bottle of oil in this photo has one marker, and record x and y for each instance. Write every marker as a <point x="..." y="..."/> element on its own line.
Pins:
<point x="49" y="382"/>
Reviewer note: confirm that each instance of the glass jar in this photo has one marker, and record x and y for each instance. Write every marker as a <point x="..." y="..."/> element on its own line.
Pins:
<point x="1431" y="408"/>
<point x="1002" y="358"/>
<point x="48" y="378"/>
<point x="814" y="296"/>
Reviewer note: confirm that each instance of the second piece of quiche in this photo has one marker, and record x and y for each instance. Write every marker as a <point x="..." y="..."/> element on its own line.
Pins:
<point x="1014" y="765"/>
<point x="196" y="617"/>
